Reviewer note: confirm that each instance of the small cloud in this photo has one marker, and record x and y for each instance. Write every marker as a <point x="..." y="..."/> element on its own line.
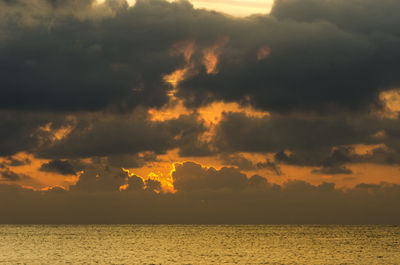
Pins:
<point x="58" y="166"/>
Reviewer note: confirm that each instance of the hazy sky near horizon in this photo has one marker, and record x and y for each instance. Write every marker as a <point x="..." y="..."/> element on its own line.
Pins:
<point x="190" y="110"/>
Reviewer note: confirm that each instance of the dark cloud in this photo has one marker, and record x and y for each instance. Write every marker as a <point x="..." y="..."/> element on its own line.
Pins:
<point x="104" y="178"/>
<point x="131" y="160"/>
<point x="275" y="133"/>
<point x="271" y="166"/>
<point x="136" y="184"/>
<point x="111" y="135"/>
<point x="59" y="166"/>
<point x="48" y="13"/>
<point x="319" y="62"/>
<point x="237" y="160"/>
<point x="111" y="62"/>
<point x="190" y="176"/>
<point x="77" y="81"/>
<point x="322" y="142"/>
<point x="98" y="179"/>
<point x="152" y="185"/>
<point x="367" y="16"/>
<point x="245" y="164"/>
<point x="322" y="63"/>
<point x="20" y="131"/>
<point x="295" y="202"/>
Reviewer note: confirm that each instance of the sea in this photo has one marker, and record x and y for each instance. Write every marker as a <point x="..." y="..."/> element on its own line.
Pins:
<point x="199" y="244"/>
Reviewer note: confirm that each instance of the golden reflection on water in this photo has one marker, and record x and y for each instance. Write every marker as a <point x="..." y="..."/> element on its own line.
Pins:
<point x="198" y="244"/>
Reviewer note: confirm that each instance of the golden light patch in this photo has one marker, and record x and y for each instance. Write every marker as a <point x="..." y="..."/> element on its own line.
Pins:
<point x="187" y="49"/>
<point x="364" y="149"/>
<point x="392" y="99"/>
<point x="60" y="133"/>
<point x="175" y="77"/>
<point x="172" y="110"/>
<point x="123" y="187"/>
<point x="165" y="180"/>
<point x="39" y="179"/>
<point x="263" y="53"/>
<point x="391" y="102"/>
<point x="211" y="55"/>
<point x="213" y="113"/>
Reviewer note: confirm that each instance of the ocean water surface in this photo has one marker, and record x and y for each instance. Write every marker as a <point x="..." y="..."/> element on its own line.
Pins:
<point x="198" y="244"/>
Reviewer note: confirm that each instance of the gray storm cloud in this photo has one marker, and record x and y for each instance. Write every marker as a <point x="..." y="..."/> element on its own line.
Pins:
<point x="261" y="202"/>
<point x="77" y="80"/>
<point x="317" y="62"/>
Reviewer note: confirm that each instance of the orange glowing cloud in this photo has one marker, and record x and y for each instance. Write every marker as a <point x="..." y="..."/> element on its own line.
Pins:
<point x="364" y="149"/>
<point x="213" y="113"/>
<point x="391" y="102"/>
<point x="187" y="49"/>
<point x="172" y="110"/>
<point x="176" y="76"/>
<point x="209" y="115"/>
<point x="211" y="55"/>
<point x="165" y="179"/>
<point x="58" y="134"/>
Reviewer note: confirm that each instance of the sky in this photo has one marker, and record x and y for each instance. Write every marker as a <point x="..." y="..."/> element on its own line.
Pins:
<point x="200" y="112"/>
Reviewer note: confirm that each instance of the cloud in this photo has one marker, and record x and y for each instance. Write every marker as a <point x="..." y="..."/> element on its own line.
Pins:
<point x="295" y="202"/>
<point x="190" y="176"/>
<point x="367" y="17"/>
<point x="119" y="62"/>
<point x="80" y="80"/>
<point x="59" y="166"/>
<point x="246" y="164"/>
<point x="271" y="166"/>
<point x="321" y="63"/>
<point x="113" y="135"/>
<point x="322" y="142"/>
<point x="237" y="132"/>
<point x="32" y="13"/>
<point x="98" y="179"/>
